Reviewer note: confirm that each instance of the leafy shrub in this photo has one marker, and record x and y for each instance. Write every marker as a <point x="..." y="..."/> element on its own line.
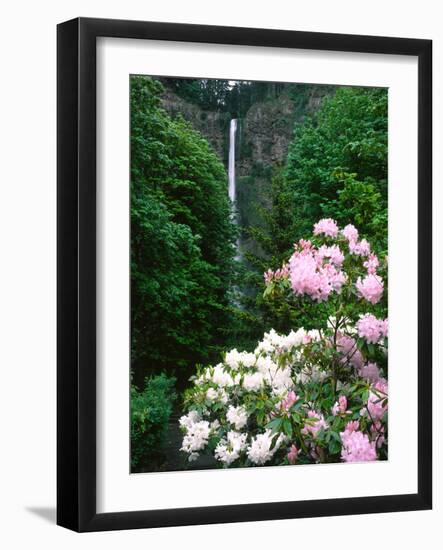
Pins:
<point x="310" y="396"/>
<point x="150" y="412"/>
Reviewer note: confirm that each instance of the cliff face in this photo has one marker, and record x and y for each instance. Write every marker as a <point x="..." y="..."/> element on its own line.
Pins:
<point x="263" y="140"/>
<point x="264" y="134"/>
<point x="213" y="125"/>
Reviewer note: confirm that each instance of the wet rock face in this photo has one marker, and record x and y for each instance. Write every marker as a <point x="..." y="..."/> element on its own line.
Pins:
<point x="213" y="125"/>
<point x="265" y="134"/>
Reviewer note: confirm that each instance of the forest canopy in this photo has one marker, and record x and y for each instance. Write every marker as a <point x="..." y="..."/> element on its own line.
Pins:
<point x="337" y="163"/>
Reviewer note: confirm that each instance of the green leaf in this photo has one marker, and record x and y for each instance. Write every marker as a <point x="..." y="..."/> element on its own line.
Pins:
<point x="287" y="427"/>
<point x="274" y="424"/>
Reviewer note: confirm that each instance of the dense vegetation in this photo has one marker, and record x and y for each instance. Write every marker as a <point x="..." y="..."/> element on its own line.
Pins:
<point x="337" y="164"/>
<point x="182" y="239"/>
<point x="236" y="97"/>
<point x="191" y="300"/>
<point x="150" y="411"/>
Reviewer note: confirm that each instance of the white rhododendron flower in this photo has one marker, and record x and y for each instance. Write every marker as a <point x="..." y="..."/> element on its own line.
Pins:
<point x="223" y="396"/>
<point x="279" y="379"/>
<point x="273" y="378"/>
<point x="264" y="347"/>
<point x="211" y="394"/>
<point x="215" y="425"/>
<point x="189" y="419"/>
<point x="232" y="359"/>
<point x="222" y="378"/>
<point x="248" y="359"/>
<point x="196" y="438"/>
<point x="237" y="416"/>
<point x="312" y="374"/>
<point x="229" y="449"/>
<point x="253" y="382"/>
<point x="260" y="451"/>
<point x="294" y="339"/>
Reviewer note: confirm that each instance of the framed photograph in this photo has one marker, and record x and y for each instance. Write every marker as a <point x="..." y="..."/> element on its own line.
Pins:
<point x="244" y="274"/>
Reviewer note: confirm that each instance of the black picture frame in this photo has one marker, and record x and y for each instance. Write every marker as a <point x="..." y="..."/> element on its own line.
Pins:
<point x="76" y="280"/>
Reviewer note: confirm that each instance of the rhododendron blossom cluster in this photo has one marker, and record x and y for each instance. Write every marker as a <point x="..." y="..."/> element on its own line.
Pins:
<point x="370" y="287"/>
<point x="372" y="329"/>
<point x="357" y="446"/>
<point x="307" y="396"/>
<point x="316" y="273"/>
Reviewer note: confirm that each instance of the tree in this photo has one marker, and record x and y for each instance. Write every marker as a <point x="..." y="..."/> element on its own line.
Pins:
<point x="182" y="239"/>
<point x="337" y="163"/>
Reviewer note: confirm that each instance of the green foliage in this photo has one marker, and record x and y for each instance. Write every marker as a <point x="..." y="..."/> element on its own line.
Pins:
<point x="337" y="164"/>
<point x="236" y="97"/>
<point x="182" y="239"/>
<point x="150" y="412"/>
<point x="275" y="237"/>
<point x="206" y="93"/>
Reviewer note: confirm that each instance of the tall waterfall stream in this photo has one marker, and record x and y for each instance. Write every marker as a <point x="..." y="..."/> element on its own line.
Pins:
<point x="232" y="190"/>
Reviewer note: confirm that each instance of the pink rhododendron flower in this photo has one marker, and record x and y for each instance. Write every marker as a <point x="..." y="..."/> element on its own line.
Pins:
<point x="371" y="264"/>
<point x="269" y="276"/>
<point x="332" y="252"/>
<point x="304" y="362"/>
<point x="352" y="426"/>
<point x="290" y="399"/>
<point x="370" y="288"/>
<point x="306" y="278"/>
<point x="371" y="372"/>
<point x="327" y="226"/>
<point x="384" y="328"/>
<point x="356" y="447"/>
<point x="305" y="244"/>
<point x="372" y="329"/>
<point x="340" y="406"/>
<point x="359" y="248"/>
<point x="377" y="401"/>
<point x="310" y="276"/>
<point x="350" y="233"/>
<point x="336" y="278"/>
<point x="315" y="425"/>
<point x="282" y="273"/>
<point x="292" y="455"/>
<point x="347" y="346"/>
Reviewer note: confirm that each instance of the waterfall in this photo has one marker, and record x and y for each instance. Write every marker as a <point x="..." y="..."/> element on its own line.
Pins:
<point x="231" y="167"/>
<point x="232" y="191"/>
